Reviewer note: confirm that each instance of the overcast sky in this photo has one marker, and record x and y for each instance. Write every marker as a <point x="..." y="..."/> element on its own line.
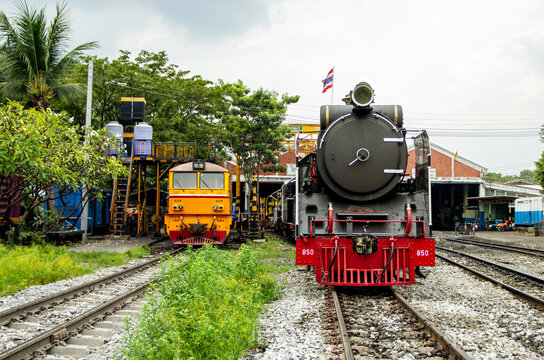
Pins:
<point x="464" y="70"/>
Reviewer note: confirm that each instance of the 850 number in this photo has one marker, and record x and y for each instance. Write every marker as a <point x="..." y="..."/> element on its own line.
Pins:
<point x="422" y="253"/>
<point x="307" y="252"/>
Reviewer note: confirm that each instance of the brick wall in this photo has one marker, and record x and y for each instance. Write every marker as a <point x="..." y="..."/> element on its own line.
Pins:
<point x="442" y="163"/>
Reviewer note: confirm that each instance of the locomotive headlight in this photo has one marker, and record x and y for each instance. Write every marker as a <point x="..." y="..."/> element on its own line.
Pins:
<point x="175" y="207"/>
<point x="215" y="207"/>
<point x="362" y="95"/>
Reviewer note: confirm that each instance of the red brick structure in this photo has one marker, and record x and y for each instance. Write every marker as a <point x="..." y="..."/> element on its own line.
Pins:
<point x="441" y="163"/>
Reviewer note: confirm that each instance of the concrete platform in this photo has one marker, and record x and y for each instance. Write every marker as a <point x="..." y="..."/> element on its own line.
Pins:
<point x="113" y="245"/>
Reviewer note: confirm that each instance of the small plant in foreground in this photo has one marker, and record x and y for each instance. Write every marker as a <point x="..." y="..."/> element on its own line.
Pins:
<point x="205" y="307"/>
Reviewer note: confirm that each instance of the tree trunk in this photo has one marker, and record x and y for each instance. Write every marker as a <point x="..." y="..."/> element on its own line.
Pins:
<point x="50" y="193"/>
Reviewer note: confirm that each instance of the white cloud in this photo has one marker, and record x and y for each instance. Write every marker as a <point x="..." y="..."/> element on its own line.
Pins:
<point x="462" y="57"/>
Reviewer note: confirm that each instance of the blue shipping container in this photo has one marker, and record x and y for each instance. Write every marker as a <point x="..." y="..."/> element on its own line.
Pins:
<point x="99" y="211"/>
<point x="529" y="210"/>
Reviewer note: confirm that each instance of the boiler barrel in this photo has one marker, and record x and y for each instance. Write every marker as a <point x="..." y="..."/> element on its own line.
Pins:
<point x="329" y="113"/>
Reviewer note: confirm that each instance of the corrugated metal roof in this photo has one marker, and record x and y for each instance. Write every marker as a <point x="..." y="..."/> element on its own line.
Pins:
<point x="494" y="198"/>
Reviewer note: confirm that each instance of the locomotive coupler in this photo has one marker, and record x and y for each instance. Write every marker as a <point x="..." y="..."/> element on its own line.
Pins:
<point x="365" y="245"/>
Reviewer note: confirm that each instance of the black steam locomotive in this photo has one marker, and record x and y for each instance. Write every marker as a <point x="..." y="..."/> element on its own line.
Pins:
<point x="358" y="218"/>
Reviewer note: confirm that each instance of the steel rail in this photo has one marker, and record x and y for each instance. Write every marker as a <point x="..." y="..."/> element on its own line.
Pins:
<point x="41" y="304"/>
<point x="534" y="299"/>
<point x="518" y="249"/>
<point x="502" y="267"/>
<point x="44" y="341"/>
<point x="453" y="350"/>
<point x="342" y="325"/>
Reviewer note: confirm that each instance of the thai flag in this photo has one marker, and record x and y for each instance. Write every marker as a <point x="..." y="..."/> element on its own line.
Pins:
<point x="327" y="82"/>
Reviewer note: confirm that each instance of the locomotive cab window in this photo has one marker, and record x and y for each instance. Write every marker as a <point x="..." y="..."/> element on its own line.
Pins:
<point x="212" y="181"/>
<point x="184" y="181"/>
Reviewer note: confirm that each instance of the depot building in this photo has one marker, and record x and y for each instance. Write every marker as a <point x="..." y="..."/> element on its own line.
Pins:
<point x="458" y="189"/>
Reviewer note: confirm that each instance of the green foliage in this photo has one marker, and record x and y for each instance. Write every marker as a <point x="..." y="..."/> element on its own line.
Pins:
<point x="498" y="177"/>
<point x="42" y="149"/>
<point x="34" y="63"/>
<point x="49" y="264"/>
<point x="529" y="175"/>
<point x="539" y="172"/>
<point x="179" y="107"/>
<point x="253" y="128"/>
<point x="207" y="309"/>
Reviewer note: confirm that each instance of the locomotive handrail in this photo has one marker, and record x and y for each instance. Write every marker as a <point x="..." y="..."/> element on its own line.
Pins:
<point x="365" y="222"/>
<point x="408" y="220"/>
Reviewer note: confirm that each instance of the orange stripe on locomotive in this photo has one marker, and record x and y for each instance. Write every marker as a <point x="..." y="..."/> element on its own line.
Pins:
<point x="199" y="204"/>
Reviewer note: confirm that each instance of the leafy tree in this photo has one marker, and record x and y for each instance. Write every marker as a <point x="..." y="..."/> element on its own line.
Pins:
<point x="498" y="177"/>
<point x="253" y="128"/>
<point x="528" y="175"/>
<point x="41" y="150"/>
<point x="539" y="172"/>
<point x="33" y="62"/>
<point x="179" y="107"/>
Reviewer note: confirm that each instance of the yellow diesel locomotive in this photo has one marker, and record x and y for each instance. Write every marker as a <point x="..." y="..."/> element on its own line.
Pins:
<point x="199" y="204"/>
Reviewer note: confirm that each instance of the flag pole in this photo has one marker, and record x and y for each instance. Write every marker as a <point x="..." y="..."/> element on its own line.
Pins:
<point x="332" y="88"/>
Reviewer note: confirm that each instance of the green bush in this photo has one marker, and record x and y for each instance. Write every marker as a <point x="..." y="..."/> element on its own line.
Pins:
<point x="206" y="307"/>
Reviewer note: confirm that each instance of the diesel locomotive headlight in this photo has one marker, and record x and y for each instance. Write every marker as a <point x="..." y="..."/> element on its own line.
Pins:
<point x="175" y="207"/>
<point x="215" y="207"/>
<point x="362" y="95"/>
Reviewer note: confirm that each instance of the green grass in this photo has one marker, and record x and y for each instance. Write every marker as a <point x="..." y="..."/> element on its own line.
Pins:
<point x="24" y="266"/>
<point x="97" y="259"/>
<point x="273" y="248"/>
<point x="272" y="252"/>
<point x="207" y="307"/>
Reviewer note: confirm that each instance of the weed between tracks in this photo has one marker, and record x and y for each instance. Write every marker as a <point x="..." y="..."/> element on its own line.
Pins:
<point x="207" y="305"/>
<point x="24" y="266"/>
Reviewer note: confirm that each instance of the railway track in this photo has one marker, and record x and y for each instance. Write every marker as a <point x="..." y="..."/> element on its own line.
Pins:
<point x="524" y="285"/>
<point x="36" y="327"/>
<point x="506" y="247"/>
<point x="405" y="330"/>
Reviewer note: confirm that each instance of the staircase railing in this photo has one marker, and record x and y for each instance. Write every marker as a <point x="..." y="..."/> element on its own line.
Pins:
<point x="128" y="183"/>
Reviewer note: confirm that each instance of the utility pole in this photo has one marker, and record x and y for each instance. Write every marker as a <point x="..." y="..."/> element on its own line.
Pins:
<point x="85" y="204"/>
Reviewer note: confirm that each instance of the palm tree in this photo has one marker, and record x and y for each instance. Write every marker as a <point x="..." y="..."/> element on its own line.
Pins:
<point x="34" y="63"/>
